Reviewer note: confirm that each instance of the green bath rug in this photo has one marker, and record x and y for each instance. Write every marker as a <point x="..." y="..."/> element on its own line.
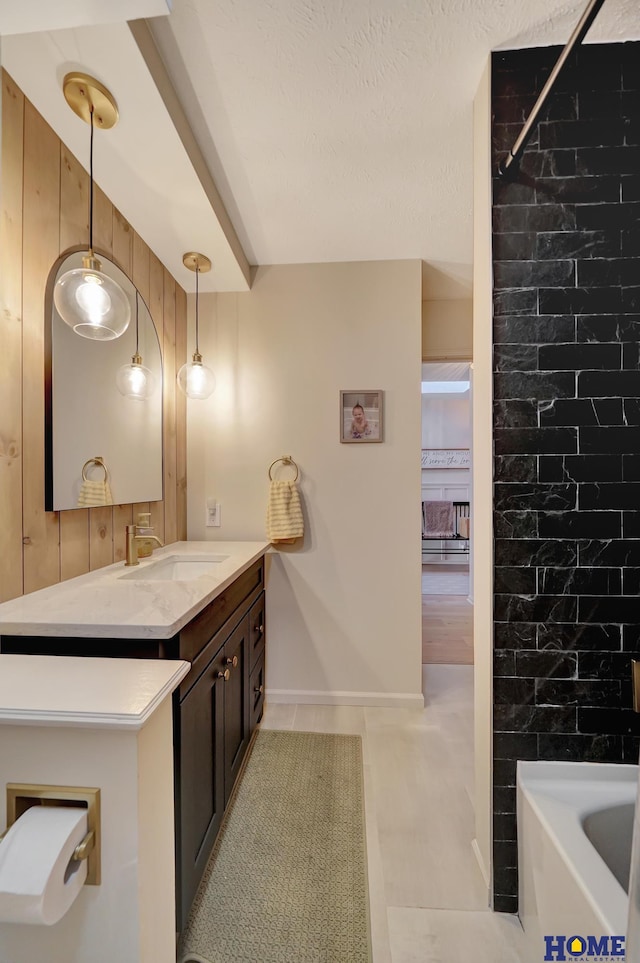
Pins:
<point x="287" y="879"/>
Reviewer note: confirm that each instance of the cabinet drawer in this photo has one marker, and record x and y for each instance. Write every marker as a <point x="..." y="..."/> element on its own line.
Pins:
<point x="200" y="630"/>
<point x="256" y="692"/>
<point x="257" y="630"/>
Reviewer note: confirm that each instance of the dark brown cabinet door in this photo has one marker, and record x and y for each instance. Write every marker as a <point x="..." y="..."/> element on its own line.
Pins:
<point x="236" y="703"/>
<point x="200" y="798"/>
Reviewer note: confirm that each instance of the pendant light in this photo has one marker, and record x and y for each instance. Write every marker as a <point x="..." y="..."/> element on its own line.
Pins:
<point x="134" y="380"/>
<point x="195" y="380"/>
<point x="86" y="299"/>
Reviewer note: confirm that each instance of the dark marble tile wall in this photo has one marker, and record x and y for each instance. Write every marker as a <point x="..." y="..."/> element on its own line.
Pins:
<point x="566" y="257"/>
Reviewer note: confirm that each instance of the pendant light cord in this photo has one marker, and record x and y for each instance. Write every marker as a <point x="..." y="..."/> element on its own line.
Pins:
<point x="137" y="352"/>
<point x="91" y="184"/>
<point x="197" y="272"/>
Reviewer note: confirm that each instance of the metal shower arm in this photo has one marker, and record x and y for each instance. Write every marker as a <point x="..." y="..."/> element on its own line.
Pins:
<point x="578" y="35"/>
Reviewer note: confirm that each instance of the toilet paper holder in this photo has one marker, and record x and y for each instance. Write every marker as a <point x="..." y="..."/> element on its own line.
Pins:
<point x="21" y="796"/>
<point x="81" y="851"/>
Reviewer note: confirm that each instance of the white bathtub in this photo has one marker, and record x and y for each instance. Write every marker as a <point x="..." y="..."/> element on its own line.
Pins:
<point x="575" y="826"/>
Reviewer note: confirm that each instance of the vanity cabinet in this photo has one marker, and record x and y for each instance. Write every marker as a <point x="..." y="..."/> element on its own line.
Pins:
<point x="199" y="782"/>
<point x="216" y="709"/>
<point x="212" y="728"/>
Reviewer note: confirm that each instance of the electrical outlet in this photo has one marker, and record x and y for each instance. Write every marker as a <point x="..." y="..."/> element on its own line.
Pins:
<point x="213" y="514"/>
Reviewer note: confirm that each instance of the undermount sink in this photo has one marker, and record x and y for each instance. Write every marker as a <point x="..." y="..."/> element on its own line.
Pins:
<point x="176" y="568"/>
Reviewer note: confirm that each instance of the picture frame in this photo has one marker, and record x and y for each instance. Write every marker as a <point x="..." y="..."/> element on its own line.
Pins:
<point x="444" y="458"/>
<point x="361" y="416"/>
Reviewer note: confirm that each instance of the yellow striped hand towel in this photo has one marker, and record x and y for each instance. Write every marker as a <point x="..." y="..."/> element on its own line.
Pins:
<point x="284" y="513"/>
<point x="93" y="493"/>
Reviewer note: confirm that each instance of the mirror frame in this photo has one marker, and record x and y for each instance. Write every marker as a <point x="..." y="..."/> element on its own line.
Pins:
<point x="48" y="370"/>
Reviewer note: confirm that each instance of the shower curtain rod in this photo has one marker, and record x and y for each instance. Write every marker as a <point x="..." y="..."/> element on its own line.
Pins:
<point x="578" y="35"/>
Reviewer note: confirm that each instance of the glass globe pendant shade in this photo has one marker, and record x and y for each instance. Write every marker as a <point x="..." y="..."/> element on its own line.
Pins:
<point x="134" y="380"/>
<point x="92" y="303"/>
<point x="195" y="380"/>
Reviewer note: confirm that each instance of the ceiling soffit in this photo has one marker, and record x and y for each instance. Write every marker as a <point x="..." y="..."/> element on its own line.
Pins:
<point x="142" y="163"/>
<point x="29" y="16"/>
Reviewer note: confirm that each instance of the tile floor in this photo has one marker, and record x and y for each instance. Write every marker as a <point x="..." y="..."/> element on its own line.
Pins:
<point x="428" y="898"/>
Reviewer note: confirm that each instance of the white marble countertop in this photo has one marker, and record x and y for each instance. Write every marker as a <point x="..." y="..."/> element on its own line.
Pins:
<point x="56" y="690"/>
<point x="114" y="603"/>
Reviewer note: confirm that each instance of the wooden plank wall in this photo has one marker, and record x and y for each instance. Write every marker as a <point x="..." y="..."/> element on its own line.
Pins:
<point x="44" y="211"/>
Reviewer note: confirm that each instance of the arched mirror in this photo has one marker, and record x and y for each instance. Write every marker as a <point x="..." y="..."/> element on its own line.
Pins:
<point x="86" y="416"/>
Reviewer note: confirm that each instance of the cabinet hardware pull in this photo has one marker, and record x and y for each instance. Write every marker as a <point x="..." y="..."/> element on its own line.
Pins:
<point x="226" y="675"/>
<point x="259" y="688"/>
<point x="259" y="629"/>
<point x="233" y="662"/>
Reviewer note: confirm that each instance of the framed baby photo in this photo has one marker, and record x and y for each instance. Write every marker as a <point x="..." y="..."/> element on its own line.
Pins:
<point x="361" y="417"/>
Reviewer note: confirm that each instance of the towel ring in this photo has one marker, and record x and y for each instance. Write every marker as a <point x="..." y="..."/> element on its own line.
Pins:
<point x="287" y="460"/>
<point x="95" y="461"/>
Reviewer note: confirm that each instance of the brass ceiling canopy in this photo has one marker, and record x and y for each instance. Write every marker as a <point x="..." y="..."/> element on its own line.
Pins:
<point x="196" y="262"/>
<point x="83" y="93"/>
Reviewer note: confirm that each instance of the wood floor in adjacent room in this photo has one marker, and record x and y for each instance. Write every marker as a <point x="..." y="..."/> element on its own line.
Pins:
<point x="447" y="615"/>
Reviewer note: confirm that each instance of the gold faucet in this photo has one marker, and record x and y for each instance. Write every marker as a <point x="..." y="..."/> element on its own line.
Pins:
<point x="132" y="538"/>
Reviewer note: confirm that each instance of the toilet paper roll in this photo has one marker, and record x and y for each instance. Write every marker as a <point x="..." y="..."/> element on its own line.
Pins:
<point x="38" y="879"/>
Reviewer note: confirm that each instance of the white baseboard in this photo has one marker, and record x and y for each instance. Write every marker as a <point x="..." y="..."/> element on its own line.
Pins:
<point x="394" y="700"/>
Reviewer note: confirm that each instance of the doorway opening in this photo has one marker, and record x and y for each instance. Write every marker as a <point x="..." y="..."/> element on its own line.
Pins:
<point x="447" y="610"/>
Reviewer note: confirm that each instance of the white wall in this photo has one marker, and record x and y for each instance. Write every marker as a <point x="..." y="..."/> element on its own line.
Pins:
<point x="447" y="312"/>
<point x="446" y="421"/>
<point x="343" y="610"/>
<point x="447" y="329"/>
<point x="482" y="472"/>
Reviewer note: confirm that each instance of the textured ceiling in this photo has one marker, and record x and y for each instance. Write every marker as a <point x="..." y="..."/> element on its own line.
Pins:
<point x="341" y="129"/>
<point x="334" y="129"/>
